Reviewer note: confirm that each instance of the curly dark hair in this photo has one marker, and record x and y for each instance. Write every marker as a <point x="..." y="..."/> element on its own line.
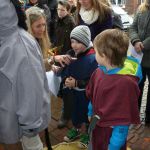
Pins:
<point x="20" y="13"/>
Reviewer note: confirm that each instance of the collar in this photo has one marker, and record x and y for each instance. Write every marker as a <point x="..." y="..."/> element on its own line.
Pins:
<point x="88" y="51"/>
<point x="111" y="71"/>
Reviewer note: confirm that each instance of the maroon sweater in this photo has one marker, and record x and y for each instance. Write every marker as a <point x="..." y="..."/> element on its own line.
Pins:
<point x="114" y="98"/>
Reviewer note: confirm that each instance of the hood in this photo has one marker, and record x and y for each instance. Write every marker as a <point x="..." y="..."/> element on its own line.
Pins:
<point x="8" y="19"/>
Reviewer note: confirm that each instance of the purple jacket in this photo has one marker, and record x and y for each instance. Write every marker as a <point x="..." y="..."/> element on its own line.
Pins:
<point x="97" y="27"/>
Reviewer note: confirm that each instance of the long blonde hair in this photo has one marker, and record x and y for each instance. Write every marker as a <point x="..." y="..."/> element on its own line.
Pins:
<point x="33" y="14"/>
<point x="107" y="2"/>
<point x="144" y="6"/>
<point x="101" y="7"/>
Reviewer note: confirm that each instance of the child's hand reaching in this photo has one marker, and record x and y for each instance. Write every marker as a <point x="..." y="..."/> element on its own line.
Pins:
<point x="56" y="69"/>
<point x="70" y="82"/>
<point x="89" y="118"/>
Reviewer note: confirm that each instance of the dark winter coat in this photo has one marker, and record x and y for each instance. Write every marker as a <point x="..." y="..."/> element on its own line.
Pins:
<point x="140" y="31"/>
<point x="97" y="27"/>
<point x="63" y="28"/>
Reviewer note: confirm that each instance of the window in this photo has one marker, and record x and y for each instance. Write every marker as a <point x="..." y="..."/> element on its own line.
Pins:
<point x="118" y="2"/>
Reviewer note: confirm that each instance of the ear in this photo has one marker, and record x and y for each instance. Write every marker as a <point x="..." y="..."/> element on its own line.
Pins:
<point x="103" y="55"/>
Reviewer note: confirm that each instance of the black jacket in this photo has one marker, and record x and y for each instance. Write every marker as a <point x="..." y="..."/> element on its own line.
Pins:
<point x="63" y="28"/>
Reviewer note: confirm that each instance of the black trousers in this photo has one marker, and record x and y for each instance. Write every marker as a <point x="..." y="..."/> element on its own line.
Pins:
<point x="67" y="104"/>
<point x="146" y="73"/>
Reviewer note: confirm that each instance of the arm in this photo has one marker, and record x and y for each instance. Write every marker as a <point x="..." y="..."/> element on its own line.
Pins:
<point x="135" y="39"/>
<point x="90" y="111"/>
<point x="82" y="83"/>
<point x="118" y="138"/>
<point x="134" y="30"/>
<point x="117" y="22"/>
<point x="31" y="97"/>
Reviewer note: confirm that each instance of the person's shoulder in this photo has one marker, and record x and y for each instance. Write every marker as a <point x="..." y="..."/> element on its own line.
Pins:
<point x="69" y="19"/>
<point x="127" y="81"/>
<point x="97" y="72"/>
<point x="26" y="37"/>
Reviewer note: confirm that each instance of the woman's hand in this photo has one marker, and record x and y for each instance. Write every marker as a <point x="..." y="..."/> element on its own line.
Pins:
<point x="70" y="82"/>
<point x="63" y="59"/>
<point x="138" y="47"/>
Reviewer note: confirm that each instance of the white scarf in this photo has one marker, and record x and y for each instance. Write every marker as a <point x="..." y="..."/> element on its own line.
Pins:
<point x="89" y="16"/>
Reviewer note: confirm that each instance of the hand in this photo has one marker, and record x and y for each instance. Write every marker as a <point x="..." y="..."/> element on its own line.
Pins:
<point x="56" y="69"/>
<point x="138" y="47"/>
<point x="63" y="59"/>
<point x="89" y="118"/>
<point x="70" y="82"/>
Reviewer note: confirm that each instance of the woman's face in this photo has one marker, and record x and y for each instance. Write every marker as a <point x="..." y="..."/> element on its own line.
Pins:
<point x="39" y="27"/>
<point x="33" y="1"/>
<point x="86" y="4"/>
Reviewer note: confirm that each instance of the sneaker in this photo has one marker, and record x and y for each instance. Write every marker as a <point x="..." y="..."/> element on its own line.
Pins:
<point x="84" y="140"/>
<point x="72" y="135"/>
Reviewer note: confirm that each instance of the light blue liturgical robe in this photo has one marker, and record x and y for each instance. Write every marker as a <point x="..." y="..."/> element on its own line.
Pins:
<point x="24" y="93"/>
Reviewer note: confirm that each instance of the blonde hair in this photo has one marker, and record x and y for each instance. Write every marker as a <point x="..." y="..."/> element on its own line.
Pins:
<point x="98" y="5"/>
<point x="144" y="6"/>
<point x="33" y="14"/>
<point x="107" y="2"/>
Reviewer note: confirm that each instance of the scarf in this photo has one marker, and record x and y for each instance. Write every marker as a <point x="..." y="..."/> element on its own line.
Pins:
<point x="89" y="16"/>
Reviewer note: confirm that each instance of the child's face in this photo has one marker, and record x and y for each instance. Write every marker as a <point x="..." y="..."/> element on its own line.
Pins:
<point x="33" y="1"/>
<point x="101" y="60"/>
<point x="77" y="46"/>
<point x="62" y="11"/>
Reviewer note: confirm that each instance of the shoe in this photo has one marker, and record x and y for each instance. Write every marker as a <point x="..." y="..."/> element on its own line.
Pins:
<point x="72" y="135"/>
<point x="84" y="140"/>
<point x="62" y="123"/>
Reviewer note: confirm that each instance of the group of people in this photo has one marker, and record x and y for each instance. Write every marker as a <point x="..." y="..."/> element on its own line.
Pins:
<point x="98" y="79"/>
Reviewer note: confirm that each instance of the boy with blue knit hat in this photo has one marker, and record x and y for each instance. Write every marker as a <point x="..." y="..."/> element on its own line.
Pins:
<point x="75" y="78"/>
